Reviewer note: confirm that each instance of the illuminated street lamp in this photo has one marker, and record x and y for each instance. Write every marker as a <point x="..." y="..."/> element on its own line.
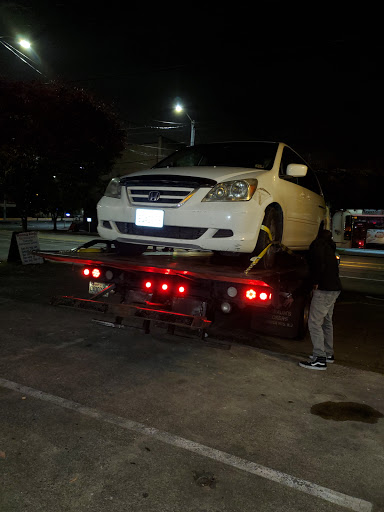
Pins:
<point x="27" y="45"/>
<point x="20" y="55"/>
<point x="24" y="43"/>
<point x="179" y="109"/>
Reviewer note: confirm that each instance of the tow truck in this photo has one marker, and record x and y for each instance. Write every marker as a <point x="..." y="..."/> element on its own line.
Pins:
<point x="184" y="289"/>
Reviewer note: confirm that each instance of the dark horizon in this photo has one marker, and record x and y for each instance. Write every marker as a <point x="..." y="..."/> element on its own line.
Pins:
<point x="314" y="85"/>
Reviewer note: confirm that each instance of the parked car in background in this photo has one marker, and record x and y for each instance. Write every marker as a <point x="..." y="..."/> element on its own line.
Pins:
<point x="216" y="197"/>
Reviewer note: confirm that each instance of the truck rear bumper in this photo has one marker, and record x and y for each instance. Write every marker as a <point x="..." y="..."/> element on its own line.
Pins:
<point x="127" y="310"/>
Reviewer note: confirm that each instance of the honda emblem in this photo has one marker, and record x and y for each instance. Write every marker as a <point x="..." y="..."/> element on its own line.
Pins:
<point x="153" y="196"/>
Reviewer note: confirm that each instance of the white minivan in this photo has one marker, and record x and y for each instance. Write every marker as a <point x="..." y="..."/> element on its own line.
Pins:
<point x="215" y="197"/>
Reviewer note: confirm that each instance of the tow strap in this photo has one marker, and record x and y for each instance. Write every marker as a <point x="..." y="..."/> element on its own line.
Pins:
<point x="256" y="259"/>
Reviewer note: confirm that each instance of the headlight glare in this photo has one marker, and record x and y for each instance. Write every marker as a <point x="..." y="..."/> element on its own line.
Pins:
<point x="113" y="189"/>
<point x="238" y="190"/>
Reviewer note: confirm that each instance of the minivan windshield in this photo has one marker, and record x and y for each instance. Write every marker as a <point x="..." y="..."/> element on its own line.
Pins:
<point x="252" y="155"/>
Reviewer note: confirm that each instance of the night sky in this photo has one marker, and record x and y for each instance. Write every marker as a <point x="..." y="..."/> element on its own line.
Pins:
<point x="309" y="79"/>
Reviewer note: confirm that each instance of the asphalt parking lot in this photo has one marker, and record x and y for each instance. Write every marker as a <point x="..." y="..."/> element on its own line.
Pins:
<point x="101" y="419"/>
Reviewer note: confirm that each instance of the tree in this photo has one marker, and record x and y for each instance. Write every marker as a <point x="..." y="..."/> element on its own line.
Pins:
<point x="56" y="141"/>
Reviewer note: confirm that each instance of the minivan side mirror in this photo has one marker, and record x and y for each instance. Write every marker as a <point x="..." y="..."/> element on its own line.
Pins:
<point x="297" y="170"/>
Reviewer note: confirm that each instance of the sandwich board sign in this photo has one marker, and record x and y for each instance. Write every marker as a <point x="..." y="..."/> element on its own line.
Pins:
<point x="22" y="246"/>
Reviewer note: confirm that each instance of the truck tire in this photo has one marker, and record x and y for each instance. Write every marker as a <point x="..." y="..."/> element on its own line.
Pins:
<point x="129" y="249"/>
<point x="272" y="220"/>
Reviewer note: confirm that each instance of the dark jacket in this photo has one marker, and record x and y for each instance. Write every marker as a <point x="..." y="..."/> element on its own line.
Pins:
<point x="323" y="265"/>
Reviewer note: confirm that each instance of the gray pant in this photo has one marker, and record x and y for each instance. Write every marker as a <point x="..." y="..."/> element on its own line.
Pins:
<point x="320" y="322"/>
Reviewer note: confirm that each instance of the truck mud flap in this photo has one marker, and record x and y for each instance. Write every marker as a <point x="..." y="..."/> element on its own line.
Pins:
<point x="284" y="322"/>
<point x="128" y="310"/>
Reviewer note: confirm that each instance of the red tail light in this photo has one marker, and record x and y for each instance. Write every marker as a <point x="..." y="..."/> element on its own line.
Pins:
<point x="253" y="294"/>
<point x="96" y="273"/>
<point x="164" y="287"/>
<point x="91" y="272"/>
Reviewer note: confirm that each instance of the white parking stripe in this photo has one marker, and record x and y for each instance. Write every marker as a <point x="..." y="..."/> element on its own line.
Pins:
<point x="298" y="484"/>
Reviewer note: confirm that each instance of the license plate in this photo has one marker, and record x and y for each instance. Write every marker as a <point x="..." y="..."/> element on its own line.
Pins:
<point x="149" y="218"/>
<point x="97" y="287"/>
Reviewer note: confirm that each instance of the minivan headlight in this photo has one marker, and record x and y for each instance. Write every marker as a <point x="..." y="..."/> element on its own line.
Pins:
<point x="238" y="190"/>
<point x="113" y="189"/>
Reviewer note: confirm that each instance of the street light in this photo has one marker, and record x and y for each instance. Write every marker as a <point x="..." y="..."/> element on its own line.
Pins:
<point x="20" y="55"/>
<point x="24" y="43"/>
<point x="27" y="45"/>
<point x="179" y="109"/>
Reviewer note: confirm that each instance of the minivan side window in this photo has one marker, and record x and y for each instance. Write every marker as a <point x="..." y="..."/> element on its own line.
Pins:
<point x="309" y="181"/>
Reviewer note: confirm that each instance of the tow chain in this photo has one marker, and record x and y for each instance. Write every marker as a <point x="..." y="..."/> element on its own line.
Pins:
<point x="256" y="259"/>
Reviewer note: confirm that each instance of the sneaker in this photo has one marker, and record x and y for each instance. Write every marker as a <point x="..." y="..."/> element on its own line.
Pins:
<point x="330" y="359"/>
<point x="317" y="363"/>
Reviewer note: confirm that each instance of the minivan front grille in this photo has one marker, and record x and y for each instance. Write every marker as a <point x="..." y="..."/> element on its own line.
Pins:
<point x="153" y="196"/>
<point x="167" y="190"/>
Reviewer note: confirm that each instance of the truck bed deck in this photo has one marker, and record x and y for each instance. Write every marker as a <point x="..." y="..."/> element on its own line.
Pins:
<point x="209" y="292"/>
<point x="195" y="265"/>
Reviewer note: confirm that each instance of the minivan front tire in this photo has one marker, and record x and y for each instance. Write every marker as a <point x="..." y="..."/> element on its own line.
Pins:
<point x="273" y="221"/>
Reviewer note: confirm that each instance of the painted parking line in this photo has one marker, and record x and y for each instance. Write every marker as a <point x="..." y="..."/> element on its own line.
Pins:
<point x="297" y="484"/>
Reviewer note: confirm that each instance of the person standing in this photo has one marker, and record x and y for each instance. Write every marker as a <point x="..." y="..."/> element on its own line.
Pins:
<point x="324" y="273"/>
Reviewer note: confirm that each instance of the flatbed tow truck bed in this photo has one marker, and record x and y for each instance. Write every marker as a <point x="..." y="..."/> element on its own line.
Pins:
<point x="187" y="289"/>
<point x="187" y="263"/>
